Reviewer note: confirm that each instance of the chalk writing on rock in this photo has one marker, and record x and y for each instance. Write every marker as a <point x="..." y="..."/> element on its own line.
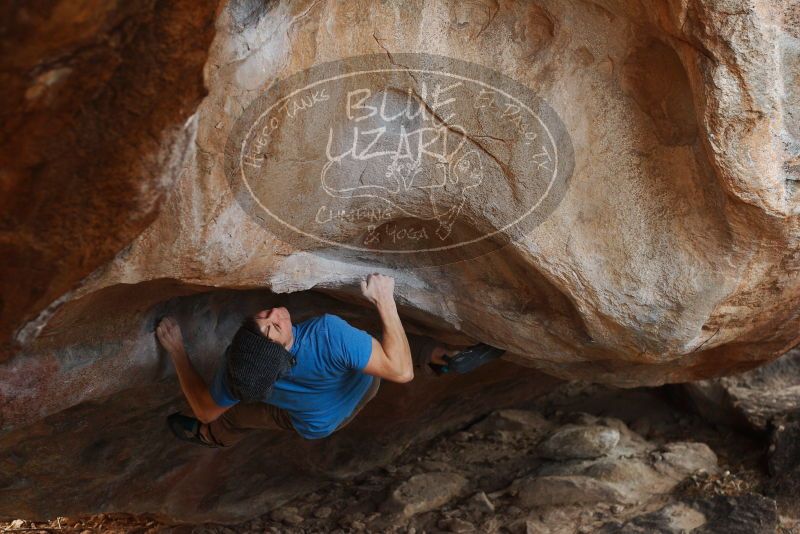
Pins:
<point x="422" y="161"/>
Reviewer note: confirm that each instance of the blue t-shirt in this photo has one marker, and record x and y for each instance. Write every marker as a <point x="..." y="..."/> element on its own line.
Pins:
<point x="325" y="385"/>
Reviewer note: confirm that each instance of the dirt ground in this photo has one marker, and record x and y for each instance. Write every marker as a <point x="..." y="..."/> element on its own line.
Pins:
<point x="474" y="477"/>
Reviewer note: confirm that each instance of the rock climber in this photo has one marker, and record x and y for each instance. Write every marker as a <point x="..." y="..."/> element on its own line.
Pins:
<point x="311" y="378"/>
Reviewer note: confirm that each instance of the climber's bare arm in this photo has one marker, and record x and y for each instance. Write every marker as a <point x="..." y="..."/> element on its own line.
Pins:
<point x="194" y="387"/>
<point x="391" y="357"/>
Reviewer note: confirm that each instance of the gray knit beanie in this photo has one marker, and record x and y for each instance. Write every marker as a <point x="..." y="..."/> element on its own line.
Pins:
<point x="255" y="362"/>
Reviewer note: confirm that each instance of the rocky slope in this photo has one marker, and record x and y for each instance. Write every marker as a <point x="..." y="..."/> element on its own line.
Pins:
<point x="578" y="460"/>
<point x="765" y="401"/>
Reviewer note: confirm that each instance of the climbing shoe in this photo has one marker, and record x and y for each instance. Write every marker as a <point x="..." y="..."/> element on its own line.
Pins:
<point x="187" y="428"/>
<point x="468" y="359"/>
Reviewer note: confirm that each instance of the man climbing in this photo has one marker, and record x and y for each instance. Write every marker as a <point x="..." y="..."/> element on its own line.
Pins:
<point x="312" y="378"/>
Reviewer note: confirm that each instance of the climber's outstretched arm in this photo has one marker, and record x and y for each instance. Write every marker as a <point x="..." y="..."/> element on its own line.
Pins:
<point x="391" y="357"/>
<point x="194" y="387"/>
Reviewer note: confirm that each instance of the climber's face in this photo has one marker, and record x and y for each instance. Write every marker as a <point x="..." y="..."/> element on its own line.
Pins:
<point x="276" y="324"/>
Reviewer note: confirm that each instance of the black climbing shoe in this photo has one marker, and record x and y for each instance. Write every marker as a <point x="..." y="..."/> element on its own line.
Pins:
<point x="188" y="429"/>
<point x="468" y="359"/>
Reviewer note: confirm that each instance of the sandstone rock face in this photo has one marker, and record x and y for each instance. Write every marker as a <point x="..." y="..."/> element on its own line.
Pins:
<point x="670" y="253"/>
<point x="90" y="143"/>
<point x="668" y="258"/>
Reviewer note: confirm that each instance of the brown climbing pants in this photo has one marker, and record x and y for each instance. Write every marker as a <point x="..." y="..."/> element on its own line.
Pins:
<point x="243" y="417"/>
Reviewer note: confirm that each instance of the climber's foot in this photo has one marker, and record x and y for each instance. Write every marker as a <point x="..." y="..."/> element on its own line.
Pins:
<point x="189" y="429"/>
<point x="439" y="353"/>
<point x="465" y="360"/>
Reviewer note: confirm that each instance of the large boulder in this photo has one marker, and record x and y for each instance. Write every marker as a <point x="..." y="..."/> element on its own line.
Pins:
<point x="601" y="460"/>
<point x="665" y="252"/>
